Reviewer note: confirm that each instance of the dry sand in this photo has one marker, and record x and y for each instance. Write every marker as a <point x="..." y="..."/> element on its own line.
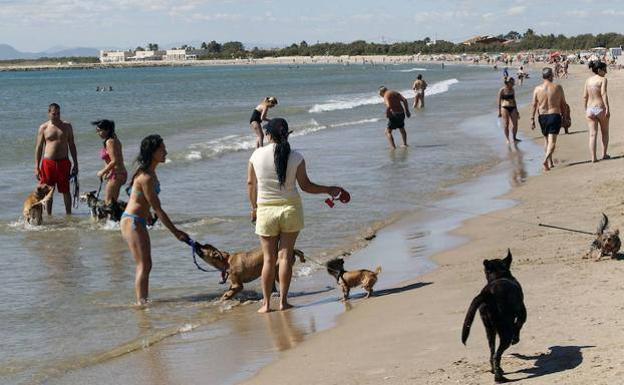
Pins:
<point x="573" y="334"/>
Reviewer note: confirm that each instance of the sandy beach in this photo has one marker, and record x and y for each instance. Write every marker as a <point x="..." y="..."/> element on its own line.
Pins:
<point x="572" y="334"/>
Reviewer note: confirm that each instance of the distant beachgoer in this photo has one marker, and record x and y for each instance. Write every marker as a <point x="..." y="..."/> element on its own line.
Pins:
<point x="557" y="68"/>
<point x="549" y="101"/>
<point x="505" y="73"/>
<point x="276" y="205"/>
<point x="508" y="110"/>
<point x="114" y="170"/>
<point x="521" y="75"/>
<point x="97" y="89"/>
<point x="55" y="141"/>
<point x="110" y="88"/>
<point x="442" y="65"/>
<point x="597" y="108"/>
<point x="396" y="111"/>
<point x="143" y="189"/>
<point x="419" y="88"/>
<point x="259" y="115"/>
<point x="565" y="65"/>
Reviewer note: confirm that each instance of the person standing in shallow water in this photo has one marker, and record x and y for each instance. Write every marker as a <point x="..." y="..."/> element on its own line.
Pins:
<point x="419" y="88"/>
<point x="259" y="115"/>
<point x="597" y="108"/>
<point x="143" y="189"/>
<point x="114" y="170"/>
<point x="508" y="110"/>
<point x="272" y="174"/>
<point x="396" y="110"/>
<point x="55" y="142"/>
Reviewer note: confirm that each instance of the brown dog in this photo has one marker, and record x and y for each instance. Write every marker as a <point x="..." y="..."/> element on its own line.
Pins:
<point x="350" y="279"/>
<point x="241" y="267"/>
<point x="608" y="242"/>
<point x="33" y="206"/>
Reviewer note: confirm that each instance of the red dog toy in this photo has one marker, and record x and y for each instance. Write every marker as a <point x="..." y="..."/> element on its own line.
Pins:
<point x="343" y="197"/>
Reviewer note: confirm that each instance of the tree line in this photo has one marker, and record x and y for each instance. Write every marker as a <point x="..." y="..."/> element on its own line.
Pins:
<point x="519" y="42"/>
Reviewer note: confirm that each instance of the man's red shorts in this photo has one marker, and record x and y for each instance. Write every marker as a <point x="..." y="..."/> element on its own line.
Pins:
<point x="56" y="173"/>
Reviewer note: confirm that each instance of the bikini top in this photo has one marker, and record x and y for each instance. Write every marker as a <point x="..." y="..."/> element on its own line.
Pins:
<point x="508" y="96"/>
<point x="104" y="155"/>
<point x="139" y="193"/>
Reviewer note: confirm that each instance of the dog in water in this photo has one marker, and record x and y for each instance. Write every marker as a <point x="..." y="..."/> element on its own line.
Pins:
<point x="240" y="268"/>
<point x="100" y="210"/>
<point x="350" y="279"/>
<point x="501" y="305"/>
<point x="33" y="205"/>
<point x="608" y="242"/>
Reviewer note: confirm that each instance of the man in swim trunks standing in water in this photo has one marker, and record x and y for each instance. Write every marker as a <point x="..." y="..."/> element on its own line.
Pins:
<point x="396" y="111"/>
<point x="55" y="139"/>
<point x="549" y="101"/>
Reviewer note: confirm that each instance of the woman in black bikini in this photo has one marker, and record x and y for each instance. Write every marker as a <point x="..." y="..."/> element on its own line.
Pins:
<point x="508" y="110"/>
<point x="259" y="115"/>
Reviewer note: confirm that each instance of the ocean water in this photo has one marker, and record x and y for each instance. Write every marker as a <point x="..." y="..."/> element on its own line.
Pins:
<point x="68" y="285"/>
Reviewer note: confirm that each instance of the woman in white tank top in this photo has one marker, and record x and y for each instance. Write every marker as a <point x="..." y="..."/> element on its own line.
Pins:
<point x="273" y="173"/>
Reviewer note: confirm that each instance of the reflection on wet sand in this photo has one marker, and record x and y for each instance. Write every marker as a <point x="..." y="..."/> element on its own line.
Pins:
<point x="149" y="364"/>
<point x="285" y="333"/>
<point x="518" y="168"/>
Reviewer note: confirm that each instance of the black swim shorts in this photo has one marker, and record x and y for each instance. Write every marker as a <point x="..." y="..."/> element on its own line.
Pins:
<point x="396" y="120"/>
<point x="550" y="124"/>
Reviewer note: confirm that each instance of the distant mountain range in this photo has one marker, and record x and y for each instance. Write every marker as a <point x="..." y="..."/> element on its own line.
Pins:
<point x="9" y="53"/>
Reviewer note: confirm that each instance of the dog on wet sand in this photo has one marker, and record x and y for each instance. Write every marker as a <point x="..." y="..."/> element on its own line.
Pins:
<point x="608" y="242"/>
<point x="501" y="306"/>
<point x="33" y="205"/>
<point x="239" y="268"/>
<point x="350" y="279"/>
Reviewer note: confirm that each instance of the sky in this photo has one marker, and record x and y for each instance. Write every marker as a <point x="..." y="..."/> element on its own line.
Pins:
<point x="37" y="25"/>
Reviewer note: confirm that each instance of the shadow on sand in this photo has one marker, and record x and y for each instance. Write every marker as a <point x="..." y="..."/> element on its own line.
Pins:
<point x="589" y="161"/>
<point x="559" y="359"/>
<point x="376" y="293"/>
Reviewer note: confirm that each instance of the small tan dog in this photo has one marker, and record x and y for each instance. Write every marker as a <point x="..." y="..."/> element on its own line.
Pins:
<point x="240" y="267"/>
<point x="608" y="242"/>
<point x="33" y="206"/>
<point x="350" y="279"/>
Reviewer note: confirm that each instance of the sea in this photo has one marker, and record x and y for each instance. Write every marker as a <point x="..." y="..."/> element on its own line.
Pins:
<point x="67" y="314"/>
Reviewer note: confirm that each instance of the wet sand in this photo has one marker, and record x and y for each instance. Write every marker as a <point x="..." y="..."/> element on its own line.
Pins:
<point x="572" y="334"/>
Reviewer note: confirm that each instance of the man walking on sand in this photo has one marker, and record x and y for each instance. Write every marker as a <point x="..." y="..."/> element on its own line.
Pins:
<point x="396" y="111"/>
<point x="549" y="101"/>
<point x="55" y="139"/>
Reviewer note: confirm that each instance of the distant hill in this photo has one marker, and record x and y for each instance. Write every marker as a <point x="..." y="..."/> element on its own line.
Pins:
<point x="8" y="53"/>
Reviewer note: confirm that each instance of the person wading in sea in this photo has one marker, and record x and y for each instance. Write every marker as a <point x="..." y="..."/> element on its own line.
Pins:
<point x="396" y="111"/>
<point x="55" y="140"/>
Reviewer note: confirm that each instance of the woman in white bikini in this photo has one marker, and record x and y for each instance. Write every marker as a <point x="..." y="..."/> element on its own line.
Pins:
<point x="597" y="108"/>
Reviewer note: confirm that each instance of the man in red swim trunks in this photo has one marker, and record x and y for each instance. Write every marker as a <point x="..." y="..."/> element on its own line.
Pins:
<point x="55" y="139"/>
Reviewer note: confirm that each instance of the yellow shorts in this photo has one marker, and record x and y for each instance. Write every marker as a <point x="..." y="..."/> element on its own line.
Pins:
<point x="274" y="218"/>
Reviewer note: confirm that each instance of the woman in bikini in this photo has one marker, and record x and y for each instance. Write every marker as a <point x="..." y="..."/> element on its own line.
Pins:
<point x="143" y="190"/>
<point x="259" y="115"/>
<point x="597" y="108"/>
<point x="508" y="110"/>
<point x="114" y="170"/>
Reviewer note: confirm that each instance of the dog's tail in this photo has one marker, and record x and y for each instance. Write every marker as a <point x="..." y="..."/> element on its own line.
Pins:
<point x="46" y="198"/>
<point x="472" y="310"/>
<point x="300" y="254"/>
<point x="602" y="226"/>
<point x="378" y="270"/>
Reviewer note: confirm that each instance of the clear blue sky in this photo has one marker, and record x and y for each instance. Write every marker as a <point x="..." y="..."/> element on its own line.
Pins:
<point x="32" y="25"/>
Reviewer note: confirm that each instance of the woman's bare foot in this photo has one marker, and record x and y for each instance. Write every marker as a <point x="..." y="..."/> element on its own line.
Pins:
<point x="285" y="306"/>
<point x="264" y="309"/>
<point x="546" y="167"/>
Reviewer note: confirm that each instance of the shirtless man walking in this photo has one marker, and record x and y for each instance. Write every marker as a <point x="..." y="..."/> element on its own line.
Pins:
<point x="549" y="101"/>
<point x="396" y="111"/>
<point x="55" y="139"/>
<point x="419" y="87"/>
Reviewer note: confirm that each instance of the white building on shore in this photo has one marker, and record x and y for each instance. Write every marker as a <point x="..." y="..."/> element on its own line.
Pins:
<point x="114" y="56"/>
